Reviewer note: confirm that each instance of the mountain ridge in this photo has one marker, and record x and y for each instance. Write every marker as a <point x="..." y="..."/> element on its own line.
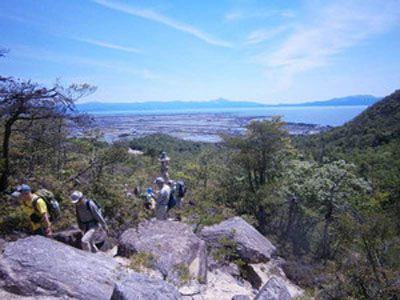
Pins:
<point x="217" y="103"/>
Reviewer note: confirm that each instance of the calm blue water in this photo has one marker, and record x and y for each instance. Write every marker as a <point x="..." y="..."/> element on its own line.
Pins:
<point x="323" y="115"/>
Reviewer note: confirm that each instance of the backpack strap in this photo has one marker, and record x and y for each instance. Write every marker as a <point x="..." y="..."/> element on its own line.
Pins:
<point x="88" y="207"/>
<point x="34" y="203"/>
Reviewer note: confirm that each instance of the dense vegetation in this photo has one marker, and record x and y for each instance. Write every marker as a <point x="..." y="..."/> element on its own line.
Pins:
<point x="330" y="202"/>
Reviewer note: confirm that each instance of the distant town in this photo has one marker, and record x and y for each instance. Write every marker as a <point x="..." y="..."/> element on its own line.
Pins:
<point x="195" y="127"/>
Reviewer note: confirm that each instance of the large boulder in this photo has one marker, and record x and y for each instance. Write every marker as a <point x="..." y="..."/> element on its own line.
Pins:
<point x="135" y="287"/>
<point x="273" y="268"/>
<point x="274" y="290"/>
<point x="38" y="266"/>
<point x="177" y="252"/>
<point x="10" y="296"/>
<point x="251" y="245"/>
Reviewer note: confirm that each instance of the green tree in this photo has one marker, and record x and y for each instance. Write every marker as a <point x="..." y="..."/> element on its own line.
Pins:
<point x="257" y="160"/>
<point x="261" y="152"/>
<point x="23" y="103"/>
<point x="328" y="190"/>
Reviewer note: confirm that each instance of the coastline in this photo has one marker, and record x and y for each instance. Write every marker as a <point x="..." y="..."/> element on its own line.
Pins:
<point x="197" y="127"/>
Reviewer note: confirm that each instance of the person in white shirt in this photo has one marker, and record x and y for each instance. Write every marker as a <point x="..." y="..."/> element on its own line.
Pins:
<point x="162" y="198"/>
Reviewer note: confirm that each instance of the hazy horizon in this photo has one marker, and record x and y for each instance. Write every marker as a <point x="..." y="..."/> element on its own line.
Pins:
<point x="269" y="52"/>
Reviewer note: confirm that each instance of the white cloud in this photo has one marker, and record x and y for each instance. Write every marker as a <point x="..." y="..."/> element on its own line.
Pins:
<point x="335" y="28"/>
<point x="241" y="14"/>
<point x="159" y="18"/>
<point x="108" y="45"/>
<point x="262" y="35"/>
<point x="26" y="52"/>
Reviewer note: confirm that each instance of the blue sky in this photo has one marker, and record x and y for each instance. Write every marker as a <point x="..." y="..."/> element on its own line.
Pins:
<point x="269" y="51"/>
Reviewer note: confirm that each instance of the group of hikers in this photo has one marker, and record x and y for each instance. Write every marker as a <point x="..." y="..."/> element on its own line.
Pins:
<point x="42" y="208"/>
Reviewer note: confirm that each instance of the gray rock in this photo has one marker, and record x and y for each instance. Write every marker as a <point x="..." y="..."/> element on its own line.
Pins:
<point x="274" y="289"/>
<point x="38" y="266"/>
<point x="3" y="244"/>
<point x="71" y="237"/>
<point x="241" y="297"/>
<point x="175" y="248"/>
<point x="138" y="287"/>
<point x="9" y="296"/>
<point x="252" y="246"/>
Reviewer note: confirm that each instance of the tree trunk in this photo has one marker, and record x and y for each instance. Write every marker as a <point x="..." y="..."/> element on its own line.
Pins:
<point x="5" y="166"/>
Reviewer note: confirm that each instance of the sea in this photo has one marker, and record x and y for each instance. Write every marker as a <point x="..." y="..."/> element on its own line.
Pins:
<point x="321" y="115"/>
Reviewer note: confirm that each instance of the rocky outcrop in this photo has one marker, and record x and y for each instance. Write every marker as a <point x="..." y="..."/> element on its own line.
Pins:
<point x="241" y="297"/>
<point x="137" y="287"/>
<point x="274" y="290"/>
<point x="3" y="244"/>
<point x="252" y="247"/>
<point x="10" y="296"/>
<point x="73" y="238"/>
<point x="222" y="286"/>
<point x="176" y="250"/>
<point x="38" y="266"/>
<point x="267" y="271"/>
<point x="70" y="237"/>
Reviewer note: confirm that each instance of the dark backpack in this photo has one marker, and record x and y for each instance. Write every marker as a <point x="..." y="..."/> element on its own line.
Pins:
<point x="180" y="189"/>
<point x="171" y="201"/>
<point x="53" y="207"/>
<point x="95" y="203"/>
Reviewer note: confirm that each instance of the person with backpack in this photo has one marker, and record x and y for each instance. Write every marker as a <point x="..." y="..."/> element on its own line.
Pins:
<point x="90" y="220"/>
<point x="164" y="165"/>
<point x="162" y="199"/>
<point x="180" y="192"/>
<point x="35" y="207"/>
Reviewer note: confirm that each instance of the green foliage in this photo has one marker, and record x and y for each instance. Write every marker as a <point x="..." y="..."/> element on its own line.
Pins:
<point x="183" y="273"/>
<point x="141" y="261"/>
<point x="227" y="250"/>
<point x="13" y="219"/>
<point x="261" y="152"/>
<point x="334" y="208"/>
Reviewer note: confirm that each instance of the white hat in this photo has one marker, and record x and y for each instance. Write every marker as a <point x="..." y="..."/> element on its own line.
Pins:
<point x="76" y="196"/>
<point x="159" y="180"/>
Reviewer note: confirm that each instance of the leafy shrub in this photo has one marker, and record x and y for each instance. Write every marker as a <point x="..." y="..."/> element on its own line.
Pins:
<point x="141" y="260"/>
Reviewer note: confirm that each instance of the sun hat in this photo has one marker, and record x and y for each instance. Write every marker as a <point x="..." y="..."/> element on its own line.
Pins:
<point x="23" y="188"/>
<point x="159" y="180"/>
<point x="76" y="196"/>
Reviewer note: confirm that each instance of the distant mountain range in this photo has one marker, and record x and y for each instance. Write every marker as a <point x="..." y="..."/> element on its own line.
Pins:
<point x="91" y="107"/>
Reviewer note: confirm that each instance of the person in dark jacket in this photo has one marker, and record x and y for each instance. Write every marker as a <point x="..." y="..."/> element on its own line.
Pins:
<point x="90" y="220"/>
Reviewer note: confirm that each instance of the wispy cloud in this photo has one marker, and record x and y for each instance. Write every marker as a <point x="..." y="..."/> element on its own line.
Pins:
<point x="336" y="28"/>
<point x="107" y="45"/>
<point x="26" y="52"/>
<point x="12" y="17"/>
<point x="159" y="18"/>
<point x="241" y="14"/>
<point x="261" y="35"/>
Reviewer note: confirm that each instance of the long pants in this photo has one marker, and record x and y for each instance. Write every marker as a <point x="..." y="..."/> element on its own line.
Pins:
<point x="161" y="212"/>
<point x="39" y="231"/>
<point x="88" y="240"/>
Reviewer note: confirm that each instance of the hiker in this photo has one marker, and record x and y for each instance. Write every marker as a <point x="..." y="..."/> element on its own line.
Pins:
<point x="149" y="199"/>
<point x="35" y="208"/>
<point x="162" y="199"/>
<point x="90" y="220"/>
<point x="164" y="160"/>
<point x="180" y="192"/>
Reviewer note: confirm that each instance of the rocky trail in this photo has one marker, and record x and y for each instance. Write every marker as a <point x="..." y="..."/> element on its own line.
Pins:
<point x="157" y="260"/>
